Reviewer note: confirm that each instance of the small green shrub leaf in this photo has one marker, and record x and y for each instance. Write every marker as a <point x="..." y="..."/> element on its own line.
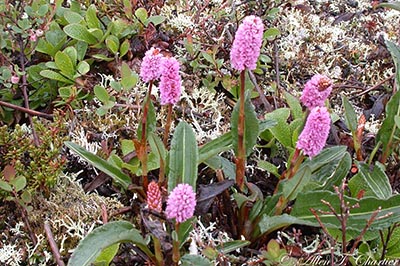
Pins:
<point x="124" y="48"/>
<point x="50" y="74"/>
<point x="91" y="17"/>
<point x="156" y="20"/>
<point x="64" y="64"/>
<point x="80" y="32"/>
<point x="141" y="14"/>
<point x="101" y="93"/>
<point x="5" y="186"/>
<point x="183" y="157"/>
<point x="112" y="43"/>
<point x="83" y="67"/>
<point x="19" y="183"/>
<point x="195" y="260"/>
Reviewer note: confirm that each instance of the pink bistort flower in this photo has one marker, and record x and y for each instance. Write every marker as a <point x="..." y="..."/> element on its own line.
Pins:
<point x="316" y="91"/>
<point x="150" y="67"/>
<point x="181" y="203"/>
<point x="154" y="196"/>
<point x="247" y="44"/>
<point x="170" y="81"/>
<point x="315" y="133"/>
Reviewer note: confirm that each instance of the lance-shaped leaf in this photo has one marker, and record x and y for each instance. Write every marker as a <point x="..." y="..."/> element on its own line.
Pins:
<point x="251" y="126"/>
<point x="389" y="214"/>
<point x="80" y="32"/>
<point x="373" y="182"/>
<point x="389" y="131"/>
<point x="183" y="157"/>
<point x="215" y="147"/>
<point x="102" y="237"/>
<point x="104" y="166"/>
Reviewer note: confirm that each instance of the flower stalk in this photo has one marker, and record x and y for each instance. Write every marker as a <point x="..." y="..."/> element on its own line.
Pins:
<point x="241" y="156"/>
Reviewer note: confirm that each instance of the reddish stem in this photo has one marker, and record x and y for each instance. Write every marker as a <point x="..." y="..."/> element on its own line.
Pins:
<point x="241" y="156"/>
<point x="143" y="142"/>
<point x="168" y="125"/>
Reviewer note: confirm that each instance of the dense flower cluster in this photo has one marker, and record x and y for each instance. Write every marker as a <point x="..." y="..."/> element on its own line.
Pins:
<point x="170" y="81"/>
<point x="247" y="44"/>
<point x="315" y="133"/>
<point x="316" y="91"/>
<point x="181" y="203"/>
<point x="154" y="196"/>
<point x="150" y="67"/>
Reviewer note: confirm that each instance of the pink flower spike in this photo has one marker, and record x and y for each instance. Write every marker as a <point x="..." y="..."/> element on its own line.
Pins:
<point x="154" y="196"/>
<point x="247" y="44"/>
<point x="181" y="203"/>
<point x="150" y="67"/>
<point x="315" y="133"/>
<point x="170" y="81"/>
<point x="316" y="91"/>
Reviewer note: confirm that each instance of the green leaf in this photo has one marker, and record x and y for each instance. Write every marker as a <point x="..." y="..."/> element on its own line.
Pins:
<point x="393" y="5"/>
<point x="208" y="57"/>
<point x="127" y="146"/>
<point x="124" y="48"/>
<point x="282" y="130"/>
<point x="128" y="78"/>
<point x="112" y="43"/>
<point x="230" y="246"/>
<point x="50" y="74"/>
<point x="374" y="183"/>
<point x="251" y="126"/>
<point x="5" y="186"/>
<point x="394" y="50"/>
<point x="215" y="147"/>
<point x="141" y="14"/>
<point x="271" y="33"/>
<point x="219" y="162"/>
<point x="102" y="57"/>
<point x="107" y="255"/>
<point x="83" y="67"/>
<point x="389" y="214"/>
<point x="350" y="115"/>
<point x="101" y="93"/>
<point x="389" y="130"/>
<point x="19" y="183"/>
<point x="397" y="121"/>
<point x="294" y="104"/>
<point x="183" y="157"/>
<point x="91" y="17"/>
<point x="102" y="237"/>
<point x="101" y="164"/>
<point x="80" y="32"/>
<point x="64" y="63"/>
<point x="72" y="17"/>
<point x="81" y="48"/>
<point x="269" y="167"/>
<point x="184" y="230"/>
<point x="292" y="187"/>
<point x="26" y="197"/>
<point x="332" y="172"/>
<point x="268" y="224"/>
<point x="72" y="53"/>
<point x="156" y="20"/>
<point x="195" y="260"/>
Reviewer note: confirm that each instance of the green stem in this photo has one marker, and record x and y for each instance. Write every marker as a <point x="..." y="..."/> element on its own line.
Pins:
<point x="241" y="156"/>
